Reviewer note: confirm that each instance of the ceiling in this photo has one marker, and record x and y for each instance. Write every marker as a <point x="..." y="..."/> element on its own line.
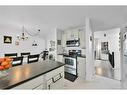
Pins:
<point x="47" y="18"/>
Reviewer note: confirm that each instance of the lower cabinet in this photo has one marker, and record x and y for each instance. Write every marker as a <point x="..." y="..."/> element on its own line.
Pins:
<point x="31" y="84"/>
<point x="51" y="80"/>
<point x="55" y="80"/>
<point x="39" y="87"/>
<point x="81" y="68"/>
<point x="55" y="83"/>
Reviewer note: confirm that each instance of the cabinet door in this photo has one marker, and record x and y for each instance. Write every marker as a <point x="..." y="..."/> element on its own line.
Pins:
<point x="54" y="79"/>
<point x="40" y="87"/>
<point x="31" y="84"/>
<point x="56" y="82"/>
<point x="82" y="39"/>
<point x="52" y="73"/>
<point x="81" y="67"/>
<point x="58" y="85"/>
<point x="75" y="34"/>
<point x="64" y="40"/>
<point x="68" y="35"/>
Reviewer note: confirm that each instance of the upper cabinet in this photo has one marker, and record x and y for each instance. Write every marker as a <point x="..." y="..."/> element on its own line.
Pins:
<point x="72" y="34"/>
<point x="82" y="38"/>
<point x="64" y="37"/>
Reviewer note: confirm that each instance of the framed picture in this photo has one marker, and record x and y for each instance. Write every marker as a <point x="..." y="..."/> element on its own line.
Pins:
<point x="7" y="39"/>
<point x="58" y="42"/>
<point x="52" y="43"/>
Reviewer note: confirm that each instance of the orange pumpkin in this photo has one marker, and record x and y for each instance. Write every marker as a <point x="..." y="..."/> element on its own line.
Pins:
<point x="2" y="59"/>
<point x="4" y="63"/>
<point x="7" y="66"/>
<point x="1" y="68"/>
<point x="8" y="59"/>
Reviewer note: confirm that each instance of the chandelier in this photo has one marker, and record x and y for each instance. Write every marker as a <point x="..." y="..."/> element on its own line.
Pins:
<point x="22" y="36"/>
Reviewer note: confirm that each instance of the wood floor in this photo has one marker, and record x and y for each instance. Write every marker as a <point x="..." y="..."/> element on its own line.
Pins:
<point x="103" y="68"/>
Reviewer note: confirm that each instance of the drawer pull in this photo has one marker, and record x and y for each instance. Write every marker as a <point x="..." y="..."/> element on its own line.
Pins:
<point x="55" y="80"/>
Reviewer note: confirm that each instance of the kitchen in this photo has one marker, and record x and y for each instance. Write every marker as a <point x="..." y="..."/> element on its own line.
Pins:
<point x="70" y="64"/>
<point x="71" y="51"/>
<point x="67" y="47"/>
<point x="61" y="39"/>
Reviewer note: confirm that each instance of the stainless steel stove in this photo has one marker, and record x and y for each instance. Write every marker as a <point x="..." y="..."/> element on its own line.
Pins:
<point x="71" y="65"/>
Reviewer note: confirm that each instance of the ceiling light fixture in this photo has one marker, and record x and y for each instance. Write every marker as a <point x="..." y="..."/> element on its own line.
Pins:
<point x="22" y="36"/>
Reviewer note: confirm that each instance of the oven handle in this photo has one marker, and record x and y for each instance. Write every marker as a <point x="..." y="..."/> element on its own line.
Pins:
<point x="70" y="58"/>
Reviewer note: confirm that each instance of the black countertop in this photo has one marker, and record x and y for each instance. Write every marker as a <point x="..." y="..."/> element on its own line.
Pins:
<point x="20" y="74"/>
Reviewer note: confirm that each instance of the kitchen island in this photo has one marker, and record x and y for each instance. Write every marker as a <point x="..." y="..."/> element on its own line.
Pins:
<point x="39" y="75"/>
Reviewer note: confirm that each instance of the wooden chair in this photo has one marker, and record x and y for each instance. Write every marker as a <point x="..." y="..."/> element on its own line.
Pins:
<point x="33" y="58"/>
<point x="25" y="54"/>
<point x="11" y="55"/>
<point x="17" y="61"/>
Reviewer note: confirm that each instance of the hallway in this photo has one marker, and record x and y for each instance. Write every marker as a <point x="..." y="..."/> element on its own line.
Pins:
<point x="103" y="68"/>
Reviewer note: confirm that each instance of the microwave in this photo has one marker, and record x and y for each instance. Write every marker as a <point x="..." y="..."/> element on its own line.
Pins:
<point x="73" y="43"/>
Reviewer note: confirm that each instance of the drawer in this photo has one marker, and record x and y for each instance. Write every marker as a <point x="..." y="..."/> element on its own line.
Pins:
<point x="31" y="84"/>
<point x="53" y="73"/>
<point x="55" y="81"/>
<point x="39" y="87"/>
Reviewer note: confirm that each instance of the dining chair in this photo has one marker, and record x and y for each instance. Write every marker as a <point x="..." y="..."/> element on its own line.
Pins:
<point x="17" y="61"/>
<point x="11" y="55"/>
<point x="33" y="58"/>
<point x="25" y="54"/>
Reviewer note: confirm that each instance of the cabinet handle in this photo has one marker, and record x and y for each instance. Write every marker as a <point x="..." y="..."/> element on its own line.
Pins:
<point x="57" y="79"/>
<point x="49" y="87"/>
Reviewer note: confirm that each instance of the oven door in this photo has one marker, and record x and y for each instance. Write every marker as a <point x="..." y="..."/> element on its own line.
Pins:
<point x="70" y="70"/>
<point x="70" y="62"/>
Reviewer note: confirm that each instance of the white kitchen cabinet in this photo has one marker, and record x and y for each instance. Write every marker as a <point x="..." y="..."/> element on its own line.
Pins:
<point x="31" y="84"/>
<point x="72" y="34"/>
<point x="75" y="34"/>
<point x="81" y="68"/>
<point x="56" y="82"/>
<point x="82" y="39"/>
<point x="40" y="87"/>
<point x="60" y="58"/>
<point x="55" y="79"/>
<point x="64" y="39"/>
<point x="68" y="35"/>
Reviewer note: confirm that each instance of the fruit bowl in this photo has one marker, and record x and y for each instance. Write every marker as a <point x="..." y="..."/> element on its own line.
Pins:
<point x="5" y="65"/>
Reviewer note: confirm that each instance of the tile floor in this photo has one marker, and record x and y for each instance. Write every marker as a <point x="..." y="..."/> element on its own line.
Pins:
<point x="98" y="82"/>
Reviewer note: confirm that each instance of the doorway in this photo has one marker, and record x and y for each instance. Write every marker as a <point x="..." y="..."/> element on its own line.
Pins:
<point x="107" y="54"/>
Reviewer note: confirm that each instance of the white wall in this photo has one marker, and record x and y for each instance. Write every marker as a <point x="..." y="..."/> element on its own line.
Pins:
<point x="123" y="57"/>
<point x="24" y="46"/>
<point x="49" y="37"/>
<point x="89" y="50"/>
